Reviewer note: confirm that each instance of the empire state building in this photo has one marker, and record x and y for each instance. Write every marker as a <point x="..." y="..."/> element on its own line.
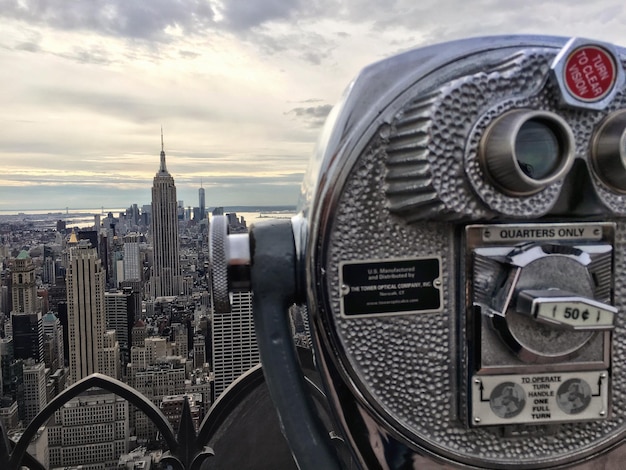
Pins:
<point x="166" y="277"/>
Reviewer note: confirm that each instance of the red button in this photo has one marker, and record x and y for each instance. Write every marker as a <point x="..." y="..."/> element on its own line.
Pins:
<point x="590" y="73"/>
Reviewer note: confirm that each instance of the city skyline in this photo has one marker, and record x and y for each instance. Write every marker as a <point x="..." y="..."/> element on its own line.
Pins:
<point x="241" y="89"/>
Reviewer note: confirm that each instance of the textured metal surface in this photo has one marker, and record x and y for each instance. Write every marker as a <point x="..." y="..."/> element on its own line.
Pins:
<point x="416" y="179"/>
<point x="405" y="363"/>
<point x="218" y="237"/>
<point x="428" y="180"/>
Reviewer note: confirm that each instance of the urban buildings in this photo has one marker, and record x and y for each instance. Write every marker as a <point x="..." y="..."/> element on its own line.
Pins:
<point x="166" y="274"/>
<point x="119" y="295"/>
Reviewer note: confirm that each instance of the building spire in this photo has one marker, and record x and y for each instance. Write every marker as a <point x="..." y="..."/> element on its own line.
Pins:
<point x="162" y="168"/>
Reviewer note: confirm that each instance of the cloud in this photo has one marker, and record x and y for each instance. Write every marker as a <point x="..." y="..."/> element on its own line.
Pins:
<point x="126" y="105"/>
<point x="244" y="15"/>
<point x="91" y="55"/>
<point x="28" y="46"/>
<point x="89" y="82"/>
<point x="154" y="19"/>
<point x="313" y="116"/>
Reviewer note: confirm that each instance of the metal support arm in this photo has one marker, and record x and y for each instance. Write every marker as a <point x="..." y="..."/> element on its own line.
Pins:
<point x="273" y="278"/>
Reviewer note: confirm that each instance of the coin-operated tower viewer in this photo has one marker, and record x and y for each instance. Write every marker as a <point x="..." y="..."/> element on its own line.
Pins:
<point x="461" y="250"/>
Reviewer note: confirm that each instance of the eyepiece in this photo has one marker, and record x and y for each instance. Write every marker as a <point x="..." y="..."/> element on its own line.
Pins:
<point x="608" y="152"/>
<point x="523" y="151"/>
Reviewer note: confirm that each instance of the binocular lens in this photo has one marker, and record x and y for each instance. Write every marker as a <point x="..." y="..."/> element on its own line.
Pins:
<point x="609" y="151"/>
<point x="523" y="151"/>
<point x="537" y="149"/>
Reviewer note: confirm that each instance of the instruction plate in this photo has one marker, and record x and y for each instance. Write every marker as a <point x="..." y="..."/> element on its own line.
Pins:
<point x="539" y="398"/>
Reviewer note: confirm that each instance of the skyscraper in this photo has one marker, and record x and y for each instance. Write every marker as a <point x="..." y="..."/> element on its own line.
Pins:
<point x="132" y="261"/>
<point x="26" y="326"/>
<point x="117" y="317"/>
<point x="53" y="339"/>
<point x="86" y="314"/>
<point x="34" y="389"/>
<point x="235" y="349"/>
<point x="28" y="335"/>
<point x="202" y="202"/>
<point x="166" y="278"/>
<point x="23" y="286"/>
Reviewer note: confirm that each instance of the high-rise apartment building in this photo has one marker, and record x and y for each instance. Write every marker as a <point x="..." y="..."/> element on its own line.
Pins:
<point x="154" y="377"/>
<point x="12" y="403"/>
<point x="181" y="339"/>
<point x="172" y="408"/>
<point x="49" y="272"/>
<point x="35" y="397"/>
<point x="139" y="333"/>
<point x="109" y="358"/>
<point x="199" y="351"/>
<point x="5" y="297"/>
<point x="166" y="274"/>
<point x="53" y="337"/>
<point x="26" y="325"/>
<point x="91" y="430"/>
<point x="201" y="202"/>
<point x="235" y="349"/>
<point x="23" y="286"/>
<point x="86" y="314"/>
<point x="9" y="413"/>
<point x="132" y="257"/>
<point x="27" y="331"/>
<point x="118" y="318"/>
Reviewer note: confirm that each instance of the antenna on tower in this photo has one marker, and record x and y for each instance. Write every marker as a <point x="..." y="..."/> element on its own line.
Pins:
<point x="162" y="168"/>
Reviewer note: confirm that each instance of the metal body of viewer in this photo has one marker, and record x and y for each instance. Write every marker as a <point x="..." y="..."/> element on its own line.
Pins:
<point x="461" y="249"/>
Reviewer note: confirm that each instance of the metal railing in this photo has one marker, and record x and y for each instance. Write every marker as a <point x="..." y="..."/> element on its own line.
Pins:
<point x="187" y="449"/>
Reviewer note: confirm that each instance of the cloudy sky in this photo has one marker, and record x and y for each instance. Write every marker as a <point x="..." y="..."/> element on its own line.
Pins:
<point x="241" y="87"/>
